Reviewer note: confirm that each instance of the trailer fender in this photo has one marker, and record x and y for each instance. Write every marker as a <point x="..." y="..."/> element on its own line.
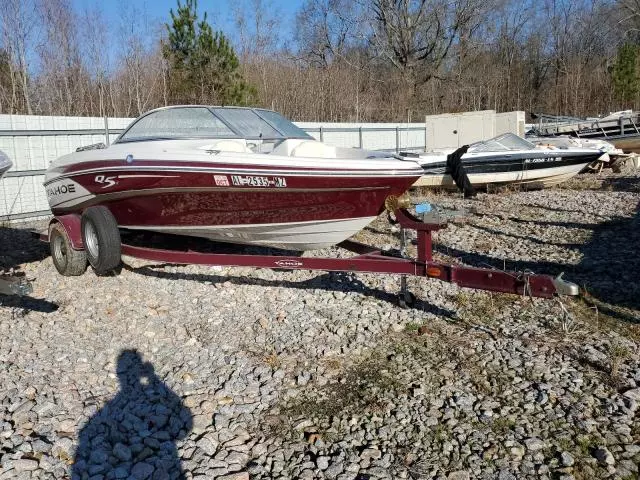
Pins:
<point x="71" y="224"/>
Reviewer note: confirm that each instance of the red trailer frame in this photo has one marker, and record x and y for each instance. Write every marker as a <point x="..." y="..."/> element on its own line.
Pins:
<point x="368" y="259"/>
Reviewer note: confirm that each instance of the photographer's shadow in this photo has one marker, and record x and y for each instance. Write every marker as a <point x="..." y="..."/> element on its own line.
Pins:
<point x="135" y="433"/>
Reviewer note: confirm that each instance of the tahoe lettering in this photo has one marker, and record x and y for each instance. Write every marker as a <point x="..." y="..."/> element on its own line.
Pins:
<point x="61" y="190"/>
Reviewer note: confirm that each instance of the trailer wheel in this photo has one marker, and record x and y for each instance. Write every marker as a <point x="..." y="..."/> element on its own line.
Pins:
<point x="68" y="262"/>
<point x="101" y="239"/>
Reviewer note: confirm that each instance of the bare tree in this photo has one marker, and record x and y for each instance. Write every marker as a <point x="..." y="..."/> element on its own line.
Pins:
<point x="95" y="38"/>
<point x="141" y="71"/>
<point x="63" y="81"/>
<point x="326" y="29"/>
<point x="17" y="28"/>
<point x="257" y="23"/>
<point x="416" y="36"/>
<point x="368" y="60"/>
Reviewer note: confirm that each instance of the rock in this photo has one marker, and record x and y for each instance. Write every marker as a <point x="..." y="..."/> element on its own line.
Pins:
<point x="566" y="459"/>
<point x="122" y="452"/>
<point x="506" y="475"/>
<point x="121" y="471"/>
<point x="238" y="458"/>
<point x="542" y="398"/>
<point x="371" y="454"/>
<point x="98" y="457"/>
<point x="302" y="424"/>
<point x="322" y="462"/>
<point x="458" y="475"/>
<point x="259" y="449"/>
<point x="633" y="394"/>
<point x="142" y="470"/>
<point x="534" y="444"/>
<point x="24" y="465"/>
<point x="30" y="392"/>
<point x="208" y="445"/>
<point x="517" y="451"/>
<point x="604" y="456"/>
<point x="200" y="423"/>
<point x="335" y="469"/>
<point x="235" y="476"/>
<point x="63" y="449"/>
<point x="221" y="421"/>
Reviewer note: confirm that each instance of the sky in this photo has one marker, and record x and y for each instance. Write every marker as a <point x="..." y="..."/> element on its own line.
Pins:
<point x="220" y="13"/>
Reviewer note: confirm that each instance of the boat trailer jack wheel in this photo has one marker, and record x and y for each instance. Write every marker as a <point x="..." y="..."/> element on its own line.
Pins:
<point x="406" y="299"/>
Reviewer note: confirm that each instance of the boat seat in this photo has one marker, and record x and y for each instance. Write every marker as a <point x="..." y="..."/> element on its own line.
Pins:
<point x="314" y="149"/>
<point x="287" y="146"/>
<point x="226" y="145"/>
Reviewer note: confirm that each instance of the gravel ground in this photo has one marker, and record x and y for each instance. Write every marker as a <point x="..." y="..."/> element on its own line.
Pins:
<point x="197" y="372"/>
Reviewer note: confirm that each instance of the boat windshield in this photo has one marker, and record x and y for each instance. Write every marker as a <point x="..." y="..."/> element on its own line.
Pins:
<point x="175" y="123"/>
<point x="502" y="143"/>
<point x="189" y="122"/>
<point x="247" y="123"/>
<point x="287" y="128"/>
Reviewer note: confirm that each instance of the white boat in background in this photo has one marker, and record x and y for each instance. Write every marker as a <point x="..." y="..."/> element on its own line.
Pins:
<point x="10" y="284"/>
<point x="5" y="164"/>
<point x="505" y="159"/>
<point x="620" y="128"/>
<point x="611" y="155"/>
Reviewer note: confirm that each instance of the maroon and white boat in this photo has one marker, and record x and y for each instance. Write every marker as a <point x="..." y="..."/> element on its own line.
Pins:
<point x="240" y="175"/>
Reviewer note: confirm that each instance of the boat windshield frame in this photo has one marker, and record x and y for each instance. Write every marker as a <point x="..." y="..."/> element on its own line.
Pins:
<point x="506" y="142"/>
<point x="237" y="134"/>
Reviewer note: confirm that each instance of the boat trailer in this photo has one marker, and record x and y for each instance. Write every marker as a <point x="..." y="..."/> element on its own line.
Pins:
<point x="368" y="259"/>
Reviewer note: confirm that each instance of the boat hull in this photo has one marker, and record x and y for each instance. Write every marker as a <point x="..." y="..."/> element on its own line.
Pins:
<point x="297" y="210"/>
<point x="535" y="170"/>
<point x="307" y="235"/>
<point x="542" y="178"/>
<point x="628" y="144"/>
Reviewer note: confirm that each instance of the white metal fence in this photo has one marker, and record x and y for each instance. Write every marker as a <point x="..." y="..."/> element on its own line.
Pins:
<point x="32" y="142"/>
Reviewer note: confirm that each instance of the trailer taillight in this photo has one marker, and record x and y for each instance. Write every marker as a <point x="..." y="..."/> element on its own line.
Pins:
<point x="434" y="272"/>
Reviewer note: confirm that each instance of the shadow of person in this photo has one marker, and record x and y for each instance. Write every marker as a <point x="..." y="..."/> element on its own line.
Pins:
<point x="134" y="435"/>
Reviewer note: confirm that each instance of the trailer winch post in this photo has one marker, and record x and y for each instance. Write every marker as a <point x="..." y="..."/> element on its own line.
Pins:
<point x="405" y="298"/>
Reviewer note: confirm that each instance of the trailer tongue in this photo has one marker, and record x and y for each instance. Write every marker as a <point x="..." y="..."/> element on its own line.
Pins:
<point x="69" y="258"/>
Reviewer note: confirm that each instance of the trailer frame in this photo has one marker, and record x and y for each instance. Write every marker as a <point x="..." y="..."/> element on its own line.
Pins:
<point x="368" y="259"/>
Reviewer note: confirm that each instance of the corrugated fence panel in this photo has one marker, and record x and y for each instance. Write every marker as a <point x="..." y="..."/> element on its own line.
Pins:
<point x="375" y="136"/>
<point x="24" y="196"/>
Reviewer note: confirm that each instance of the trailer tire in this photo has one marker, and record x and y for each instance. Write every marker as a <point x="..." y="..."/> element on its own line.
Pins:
<point x="68" y="262"/>
<point x="455" y="168"/>
<point x="101" y="239"/>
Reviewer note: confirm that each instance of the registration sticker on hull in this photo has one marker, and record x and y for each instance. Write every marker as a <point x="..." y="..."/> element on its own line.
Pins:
<point x="221" y="180"/>
<point x="543" y="160"/>
<point x="251" y="181"/>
